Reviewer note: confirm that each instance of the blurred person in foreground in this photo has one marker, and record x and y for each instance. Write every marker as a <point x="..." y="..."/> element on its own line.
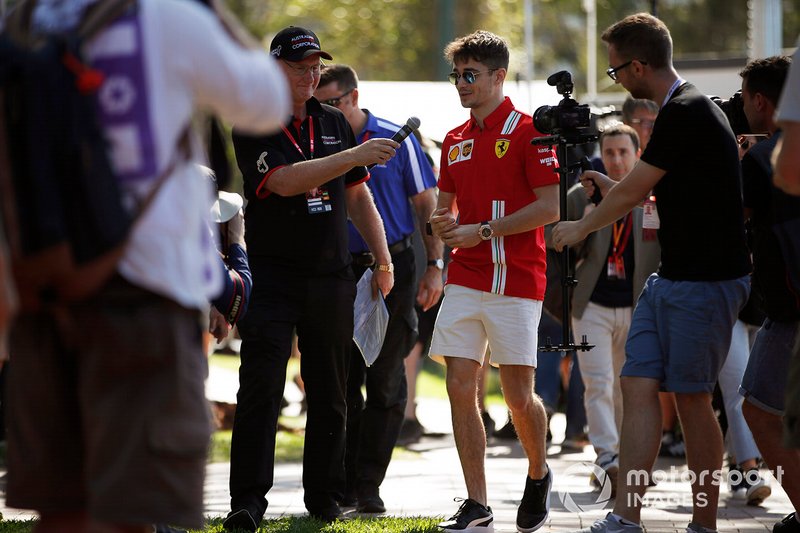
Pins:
<point x="766" y="376"/>
<point x="107" y="432"/>
<point x="681" y="327"/>
<point x="301" y="184"/>
<point x="496" y="192"/>
<point x="787" y="160"/>
<point x="402" y="189"/>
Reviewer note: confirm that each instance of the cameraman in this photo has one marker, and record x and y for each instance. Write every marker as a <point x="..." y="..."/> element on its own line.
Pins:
<point x="765" y="379"/>
<point x="681" y="328"/>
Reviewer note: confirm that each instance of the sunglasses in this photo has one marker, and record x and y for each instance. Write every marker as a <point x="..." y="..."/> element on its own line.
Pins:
<point x="469" y="76"/>
<point x="338" y="100"/>
<point x="612" y="72"/>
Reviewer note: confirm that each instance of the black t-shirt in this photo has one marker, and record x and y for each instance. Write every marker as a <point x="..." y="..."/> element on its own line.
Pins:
<point x="769" y="205"/>
<point x="306" y="233"/>
<point x="699" y="199"/>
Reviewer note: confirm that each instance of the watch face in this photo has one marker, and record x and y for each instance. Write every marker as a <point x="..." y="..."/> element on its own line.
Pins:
<point x="486" y="232"/>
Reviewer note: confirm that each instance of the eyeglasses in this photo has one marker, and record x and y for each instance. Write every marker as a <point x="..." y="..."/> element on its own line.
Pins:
<point x="469" y="76"/>
<point x="612" y="72"/>
<point x="299" y="71"/>
<point x="644" y="122"/>
<point x="338" y="100"/>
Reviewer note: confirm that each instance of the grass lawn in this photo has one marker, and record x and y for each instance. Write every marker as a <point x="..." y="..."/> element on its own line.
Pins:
<point x="296" y="525"/>
<point x="289" y="448"/>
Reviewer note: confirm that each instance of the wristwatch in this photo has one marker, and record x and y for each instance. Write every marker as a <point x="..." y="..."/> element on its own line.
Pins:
<point x="485" y="231"/>
<point x="438" y="263"/>
<point x="385" y="268"/>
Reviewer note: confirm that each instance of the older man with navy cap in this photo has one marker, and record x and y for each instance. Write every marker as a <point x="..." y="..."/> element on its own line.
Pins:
<point x="301" y="184"/>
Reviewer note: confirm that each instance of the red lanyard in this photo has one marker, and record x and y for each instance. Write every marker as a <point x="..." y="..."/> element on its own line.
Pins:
<point x="625" y="227"/>
<point x="310" y="138"/>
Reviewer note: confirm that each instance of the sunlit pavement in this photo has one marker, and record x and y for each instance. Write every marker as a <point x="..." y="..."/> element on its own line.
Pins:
<point x="425" y="482"/>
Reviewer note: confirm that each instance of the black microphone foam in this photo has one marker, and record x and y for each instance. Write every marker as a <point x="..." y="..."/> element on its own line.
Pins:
<point x="401" y="134"/>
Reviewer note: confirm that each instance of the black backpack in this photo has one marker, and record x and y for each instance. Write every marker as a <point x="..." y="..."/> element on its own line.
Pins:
<point x="62" y="206"/>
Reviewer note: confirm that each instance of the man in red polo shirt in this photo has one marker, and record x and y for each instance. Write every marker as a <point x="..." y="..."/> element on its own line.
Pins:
<point x="496" y="191"/>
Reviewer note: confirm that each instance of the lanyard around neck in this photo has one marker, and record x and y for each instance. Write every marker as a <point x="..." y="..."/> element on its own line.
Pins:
<point x="618" y="231"/>
<point x="310" y="139"/>
<point x="672" y="89"/>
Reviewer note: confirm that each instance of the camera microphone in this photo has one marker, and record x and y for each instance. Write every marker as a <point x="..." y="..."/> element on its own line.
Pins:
<point x="400" y="135"/>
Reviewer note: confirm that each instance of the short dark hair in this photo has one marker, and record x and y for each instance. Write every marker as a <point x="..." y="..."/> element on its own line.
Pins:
<point x="767" y="76"/>
<point x="631" y="105"/>
<point x="619" y="129"/>
<point x="641" y="36"/>
<point x="482" y="46"/>
<point x="344" y="75"/>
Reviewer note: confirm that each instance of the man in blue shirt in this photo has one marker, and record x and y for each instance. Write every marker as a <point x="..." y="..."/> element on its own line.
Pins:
<point x="405" y="181"/>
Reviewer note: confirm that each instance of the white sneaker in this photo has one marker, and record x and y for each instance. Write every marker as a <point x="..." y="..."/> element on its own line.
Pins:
<point x="611" y="524"/>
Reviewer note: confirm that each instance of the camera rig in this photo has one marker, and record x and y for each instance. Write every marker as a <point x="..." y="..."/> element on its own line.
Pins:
<point x="566" y="125"/>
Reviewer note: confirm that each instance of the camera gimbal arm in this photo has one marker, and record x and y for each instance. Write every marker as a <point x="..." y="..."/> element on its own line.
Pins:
<point x="567" y="270"/>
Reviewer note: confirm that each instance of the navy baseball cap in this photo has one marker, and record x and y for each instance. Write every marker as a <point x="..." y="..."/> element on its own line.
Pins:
<point x="295" y="44"/>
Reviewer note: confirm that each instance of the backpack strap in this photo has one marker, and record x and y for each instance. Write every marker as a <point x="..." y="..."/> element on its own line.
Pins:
<point x="96" y="17"/>
<point x="183" y="152"/>
<point x="101" y="14"/>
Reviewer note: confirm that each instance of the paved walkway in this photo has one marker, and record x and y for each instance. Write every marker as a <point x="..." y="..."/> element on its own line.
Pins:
<point x="426" y="481"/>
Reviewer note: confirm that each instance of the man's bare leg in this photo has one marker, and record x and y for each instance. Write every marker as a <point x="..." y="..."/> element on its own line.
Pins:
<point x="639" y="442"/>
<point x="470" y="437"/>
<point x="767" y="429"/>
<point x="528" y="414"/>
<point x="704" y="449"/>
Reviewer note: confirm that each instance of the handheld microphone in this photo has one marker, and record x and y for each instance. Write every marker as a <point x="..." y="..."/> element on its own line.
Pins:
<point x="400" y="135"/>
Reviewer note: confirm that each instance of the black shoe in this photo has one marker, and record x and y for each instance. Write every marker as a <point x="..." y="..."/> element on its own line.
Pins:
<point x="488" y="423"/>
<point x="348" y="500"/>
<point x="788" y="524"/>
<point x="535" y="506"/>
<point x="471" y="517"/>
<point x="410" y="432"/>
<point x="507" y="432"/>
<point x="240" y="519"/>
<point x="327" y="514"/>
<point x="371" y="504"/>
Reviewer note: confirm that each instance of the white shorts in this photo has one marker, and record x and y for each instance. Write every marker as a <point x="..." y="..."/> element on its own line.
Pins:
<point x="468" y="320"/>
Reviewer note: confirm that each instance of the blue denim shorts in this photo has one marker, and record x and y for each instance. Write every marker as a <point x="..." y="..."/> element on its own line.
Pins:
<point x="681" y="331"/>
<point x="764" y="381"/>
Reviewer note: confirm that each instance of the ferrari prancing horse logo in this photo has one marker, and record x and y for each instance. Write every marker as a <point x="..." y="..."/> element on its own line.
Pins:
<point x="501" y="147"/>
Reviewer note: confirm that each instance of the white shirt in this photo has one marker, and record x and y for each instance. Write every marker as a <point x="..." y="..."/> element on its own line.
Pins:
<point x="172" y="58"/>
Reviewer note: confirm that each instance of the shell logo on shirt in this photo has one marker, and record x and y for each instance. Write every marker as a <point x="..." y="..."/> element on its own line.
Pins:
<point x="261" y="164"/>
<point x="501" y="147"/>
<point x="460" y="152"/>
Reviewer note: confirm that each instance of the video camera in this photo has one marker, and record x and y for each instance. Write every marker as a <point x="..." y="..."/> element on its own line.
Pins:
<point x="568" y="119"/>
<point x="733" y="108"/>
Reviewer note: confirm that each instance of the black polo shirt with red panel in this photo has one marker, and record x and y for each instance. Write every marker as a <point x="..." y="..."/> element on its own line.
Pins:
<point x="306" y="233"/>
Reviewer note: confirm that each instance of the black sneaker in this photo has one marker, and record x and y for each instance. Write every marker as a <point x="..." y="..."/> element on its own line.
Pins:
<point x="240" y="520"/>
<point x="535" y="505"/>
<point x="371" y="504"/>
<point x="327" y="514"/>
<point x="507" y="432"/>
<point x="410" y="432"/>
<point x="471" y="517"/>
<point x="488" y="423"/>
<point x="788" y="524"/>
